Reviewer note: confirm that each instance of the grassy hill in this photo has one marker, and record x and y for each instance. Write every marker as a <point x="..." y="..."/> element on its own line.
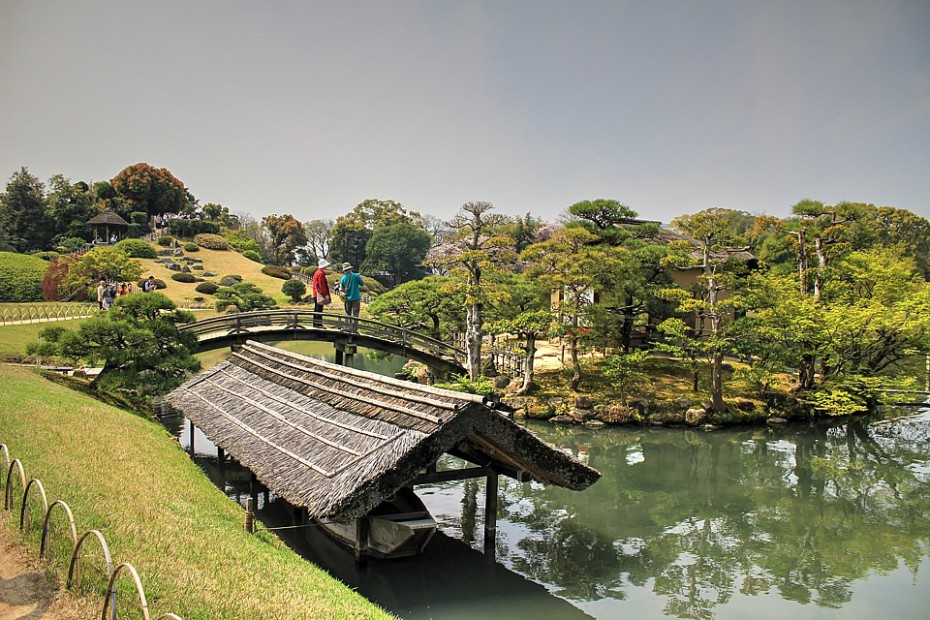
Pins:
<point x="221" y="262"/>
<point x="128" y="477"/>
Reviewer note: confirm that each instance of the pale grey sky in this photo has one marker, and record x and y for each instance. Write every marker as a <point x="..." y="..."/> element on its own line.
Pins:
<point x="311" y="107"/>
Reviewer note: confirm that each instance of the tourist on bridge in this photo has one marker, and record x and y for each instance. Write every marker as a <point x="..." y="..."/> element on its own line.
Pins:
<point x="320" y="290"/>
<point x="350" y="287"/>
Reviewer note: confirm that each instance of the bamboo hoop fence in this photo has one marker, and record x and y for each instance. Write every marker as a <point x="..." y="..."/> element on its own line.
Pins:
<point x="74" y="567"/>
<point x="44" y="314"/>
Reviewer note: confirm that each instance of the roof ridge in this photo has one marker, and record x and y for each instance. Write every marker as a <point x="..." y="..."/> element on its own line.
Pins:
<point x="364" y="374"/>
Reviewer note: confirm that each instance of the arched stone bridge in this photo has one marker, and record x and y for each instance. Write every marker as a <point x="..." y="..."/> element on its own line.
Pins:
<point x="344" y="332"/>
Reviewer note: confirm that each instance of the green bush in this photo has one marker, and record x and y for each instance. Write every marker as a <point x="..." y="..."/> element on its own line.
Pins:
<point x="241" y="243"/>
<point x="165" y="241"/>
<point x="190" y="246"/>
<point x="211" y="242"/>
<point x="158" y="284"/>
<point x="136" y="248"/>
<point x="252" y="255"/>
<point x="295" y="289"/>
<point x="207" y="288"/>
<point x="183" y="277"/>
<point x="47" y="254"/>
<point x="276" y="272"/>
<point x="230" y="280"/>
<point x="21" y="277"/>
<point x="70" y="244"/>
<point x="180" y="227"/>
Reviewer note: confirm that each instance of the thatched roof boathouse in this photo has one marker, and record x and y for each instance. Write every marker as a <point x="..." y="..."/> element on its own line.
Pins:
<point x="339" y="441"/>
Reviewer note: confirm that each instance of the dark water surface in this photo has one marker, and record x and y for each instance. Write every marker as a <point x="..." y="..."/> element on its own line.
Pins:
<point x="801" y="523"/>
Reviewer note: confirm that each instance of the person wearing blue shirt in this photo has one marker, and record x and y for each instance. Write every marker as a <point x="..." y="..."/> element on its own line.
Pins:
<point x="351" y="289"/>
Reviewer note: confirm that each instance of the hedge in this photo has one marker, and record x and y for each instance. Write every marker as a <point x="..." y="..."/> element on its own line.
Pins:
<point x="188" y="278"/>
<point x="158" y="284"/>
<point x="190" y="246"/>
<point x="207" y="288"/>
<point x="276" y="272"/>
<point x="181" y="227"/>
<point x="136" y="248"/>
<point x="165" y="240"/>
<point x="252" y="255"/>
<point x="211" y="242"/>
<point x="21" y="277"/>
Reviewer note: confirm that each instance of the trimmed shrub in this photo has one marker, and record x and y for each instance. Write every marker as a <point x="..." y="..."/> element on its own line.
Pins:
<point x="47" y="254"/>
<point x="190" y="246"/>
<point x="207" y="288"/>
<point x="181" y="227"/>
<point x="21" y="277"/>
<point x="136" y="248"/>
<point x="183" y="277"/>
<point x="295" y="289"/>
<point x="70" y="244"/>
<point x="241" y="243"/>
<point x="211" y="242"/>
<point x="165" y="240"/>
<point x="158" y="284"/>
<point x="276" y="272"/>
<point x="252" y="255"/>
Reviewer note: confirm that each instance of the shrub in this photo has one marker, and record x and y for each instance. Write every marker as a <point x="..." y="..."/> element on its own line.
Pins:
<point x="158" y="284"/>
<point x="70" y="244"/>
<point x="252" y="255"/>
<point x="230" y="280"/>
<point x="211" y="242"/>
<point x="295" y="289"/>
<point x="190" y="246"/>
<point x="207" y="288"/>
<point x="241" y="243"/>
<point x="242" y="297"/>
<point x="180" y="227"/>
<point x="140" y="218"/>
<point x="48" y="255"/>
<point x="165" y="240"/>
<point x="136" y="248"/>
<point x="276" y="272"/>
<point x="21" y="277"/>
<point x="183" y="277"/>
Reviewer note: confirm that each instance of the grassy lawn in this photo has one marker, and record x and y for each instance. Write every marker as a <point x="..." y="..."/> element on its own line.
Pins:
<point x="14" y="338"/>
<point x="127" y="477"/>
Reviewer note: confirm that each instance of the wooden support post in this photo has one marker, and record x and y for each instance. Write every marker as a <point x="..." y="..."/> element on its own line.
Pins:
<point x="249" y="515"/>
<point x="190" y="429"/>
<point x="361" y="535"/>
<point x="490" y="516"/>
<point x="340" y="357"/>
<point x="253" y="488"/>
<point x="221" y="461"/>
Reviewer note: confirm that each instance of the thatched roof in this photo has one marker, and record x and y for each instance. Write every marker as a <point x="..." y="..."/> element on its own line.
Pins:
<point x="110" y="218"/>
<point x="338" y="441"/>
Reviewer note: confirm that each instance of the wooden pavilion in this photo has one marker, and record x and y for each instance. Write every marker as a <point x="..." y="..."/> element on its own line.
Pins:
<point x="339" y="441"/>
<point x="108" y="222"/>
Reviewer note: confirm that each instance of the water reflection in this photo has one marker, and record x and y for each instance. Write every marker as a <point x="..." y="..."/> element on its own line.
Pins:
<point x="813" y="522"/>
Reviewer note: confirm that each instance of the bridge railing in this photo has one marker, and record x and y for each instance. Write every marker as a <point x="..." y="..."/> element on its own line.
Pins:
<point x="271" y="320"/>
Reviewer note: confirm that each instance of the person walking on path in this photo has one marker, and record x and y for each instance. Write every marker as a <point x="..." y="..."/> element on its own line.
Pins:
<point x="320" y="290"/>
<point x="350" y="287"/>
<point x="101" y="289"/>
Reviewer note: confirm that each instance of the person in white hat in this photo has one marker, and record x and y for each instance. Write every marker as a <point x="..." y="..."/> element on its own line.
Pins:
<point x="320" y="290"/>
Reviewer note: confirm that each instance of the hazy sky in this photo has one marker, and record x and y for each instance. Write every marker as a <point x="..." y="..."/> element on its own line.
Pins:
<point x="311" y="107"/>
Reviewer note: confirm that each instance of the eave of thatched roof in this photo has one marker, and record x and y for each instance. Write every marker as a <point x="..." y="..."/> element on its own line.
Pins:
<point x="338" y="441"/>
<point x="110" y="218"/>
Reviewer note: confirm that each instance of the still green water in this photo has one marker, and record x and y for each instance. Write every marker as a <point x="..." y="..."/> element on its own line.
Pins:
<point x="802" y="522"/>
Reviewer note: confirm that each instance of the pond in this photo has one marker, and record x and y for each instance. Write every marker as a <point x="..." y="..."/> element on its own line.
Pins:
<point x="821" y="521"/>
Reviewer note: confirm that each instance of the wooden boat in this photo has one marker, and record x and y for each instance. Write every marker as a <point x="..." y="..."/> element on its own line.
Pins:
<point x="398" y="527"/>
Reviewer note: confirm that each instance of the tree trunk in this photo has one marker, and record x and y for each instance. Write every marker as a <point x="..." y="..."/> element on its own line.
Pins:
<point x="821" y="270"/>
<point x="529" y="363"/>
<point x="473" y="341"/>
<point x="806" y="372"/>
<point x="802" y="261"/>
<point x="716" y="380"/>
<point x="576" y="363"/>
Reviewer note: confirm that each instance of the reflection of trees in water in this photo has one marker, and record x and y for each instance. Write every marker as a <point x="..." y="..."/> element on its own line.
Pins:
<point x="704" y="516"/>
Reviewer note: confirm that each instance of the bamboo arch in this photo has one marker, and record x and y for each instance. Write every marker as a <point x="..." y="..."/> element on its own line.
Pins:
<point x="8" y="496"/>
<point x="45" y="528"/>
<point x="24" y="511"/>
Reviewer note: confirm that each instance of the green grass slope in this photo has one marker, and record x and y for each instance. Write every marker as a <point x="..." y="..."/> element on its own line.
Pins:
<point x="127" y="477"/>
